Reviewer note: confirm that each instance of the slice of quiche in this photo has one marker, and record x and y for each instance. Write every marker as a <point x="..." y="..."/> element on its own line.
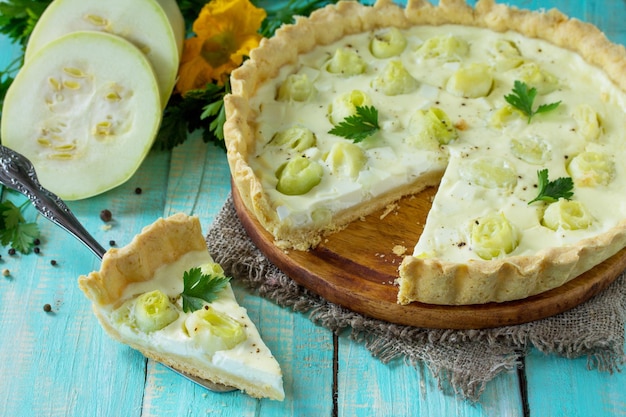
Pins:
<point x="165" y="296"/>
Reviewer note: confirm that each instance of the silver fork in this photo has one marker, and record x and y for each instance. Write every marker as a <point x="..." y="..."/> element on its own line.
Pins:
<point x="18" y="173"/>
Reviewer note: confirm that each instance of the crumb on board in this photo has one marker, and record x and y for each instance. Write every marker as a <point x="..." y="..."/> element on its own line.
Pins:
<point x="399" y="250"/>
<point x="388" y="209"/>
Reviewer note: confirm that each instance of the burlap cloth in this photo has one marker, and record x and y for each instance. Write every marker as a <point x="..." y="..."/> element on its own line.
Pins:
<point x="463" y="360"/>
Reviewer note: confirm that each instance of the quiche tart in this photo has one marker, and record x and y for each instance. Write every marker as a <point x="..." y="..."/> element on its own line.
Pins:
<point x="140" y="294"/>
<point x="518" y="117"/>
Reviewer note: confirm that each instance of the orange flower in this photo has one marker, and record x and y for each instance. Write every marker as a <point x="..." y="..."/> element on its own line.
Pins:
<point x="226" y="31"/>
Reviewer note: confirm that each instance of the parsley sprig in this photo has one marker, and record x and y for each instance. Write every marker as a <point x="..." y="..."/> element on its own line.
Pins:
<point x="359" y="126"/>
<point x="14" y="229"/>
<point x="279" y="13"/>
<point x="17" y="20"/>
<point x="523" y="99"/>
<point x="199" y="288"/>
<point x="197" y="110"/>
<point x="551" y="191"/>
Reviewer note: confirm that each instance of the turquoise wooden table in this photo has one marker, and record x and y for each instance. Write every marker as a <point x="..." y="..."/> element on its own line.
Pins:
<point x="61" y="363"/>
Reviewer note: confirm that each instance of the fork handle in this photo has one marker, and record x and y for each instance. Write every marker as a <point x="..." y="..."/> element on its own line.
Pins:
<point x="18" y="173"/>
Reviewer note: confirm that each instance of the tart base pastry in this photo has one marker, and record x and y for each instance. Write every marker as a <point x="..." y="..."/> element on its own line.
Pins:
<point x="485" y="239"/>
<point x="157" y="259"/>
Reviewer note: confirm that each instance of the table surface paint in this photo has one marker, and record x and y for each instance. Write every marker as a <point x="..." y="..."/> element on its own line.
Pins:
<point x="62" y="363"/>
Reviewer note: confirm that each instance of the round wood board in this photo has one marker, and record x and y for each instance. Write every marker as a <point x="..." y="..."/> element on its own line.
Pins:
<point x="356" y="268"/>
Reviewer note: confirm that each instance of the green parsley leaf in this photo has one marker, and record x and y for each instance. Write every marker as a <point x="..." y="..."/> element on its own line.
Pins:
<point x="197" y="110"/>
<point x="11" y="215"/>
<point x="523" y="98"/>
<point x="551" y="191"/>
<point x="190" y="10"/>
<point x="216" y="114"/>
<point x="199" y="288"/>
<point x="24" y="236"/>
<point x="14" y="230"/>
<point x="18" y="18"/>
<point x="173" y="129"/>
<point x="279" y="13"/>
<point x="359" y="126"/>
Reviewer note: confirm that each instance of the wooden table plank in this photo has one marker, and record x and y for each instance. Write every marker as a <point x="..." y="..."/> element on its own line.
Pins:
<point x="400" y="389"/>
<point x="565" y="387"/>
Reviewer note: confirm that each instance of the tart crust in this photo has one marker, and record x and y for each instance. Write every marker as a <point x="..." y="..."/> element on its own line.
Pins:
<point x="163" y="242"/>
<point x="427" y="281"/>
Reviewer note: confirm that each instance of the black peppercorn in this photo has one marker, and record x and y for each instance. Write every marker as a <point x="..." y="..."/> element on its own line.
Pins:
<point x="53" y="262"/>
<point x="105" y="215"/>
<point x="111" y="243"/>
<point x="138" y="190"/>
<point x="47" y="308"/>
<point x="11" y="251"/>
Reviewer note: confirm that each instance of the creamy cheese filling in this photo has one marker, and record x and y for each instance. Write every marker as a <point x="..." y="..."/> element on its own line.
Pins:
<point x="490" y="167"/>
<point x="250" y="360"/>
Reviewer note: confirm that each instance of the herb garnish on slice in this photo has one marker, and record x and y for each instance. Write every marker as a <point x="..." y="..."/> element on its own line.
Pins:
<point x="522" y="98"/>
<point x="199" y="288"/>
<point x="551" y="191"/>
<point x="358" y="126"/>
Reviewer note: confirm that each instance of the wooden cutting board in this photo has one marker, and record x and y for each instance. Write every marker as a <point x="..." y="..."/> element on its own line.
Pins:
<point x="356" y="268"/>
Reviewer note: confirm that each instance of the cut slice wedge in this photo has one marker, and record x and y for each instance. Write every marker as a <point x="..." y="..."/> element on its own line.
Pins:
<point x="136" y="296"/>
<point x="85" y="124"/>
<point x="156" y="27"/>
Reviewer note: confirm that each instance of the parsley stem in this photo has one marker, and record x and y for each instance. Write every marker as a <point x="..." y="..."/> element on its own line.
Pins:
<point x="24" y="204"/>
<point x="12" y="67"/>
